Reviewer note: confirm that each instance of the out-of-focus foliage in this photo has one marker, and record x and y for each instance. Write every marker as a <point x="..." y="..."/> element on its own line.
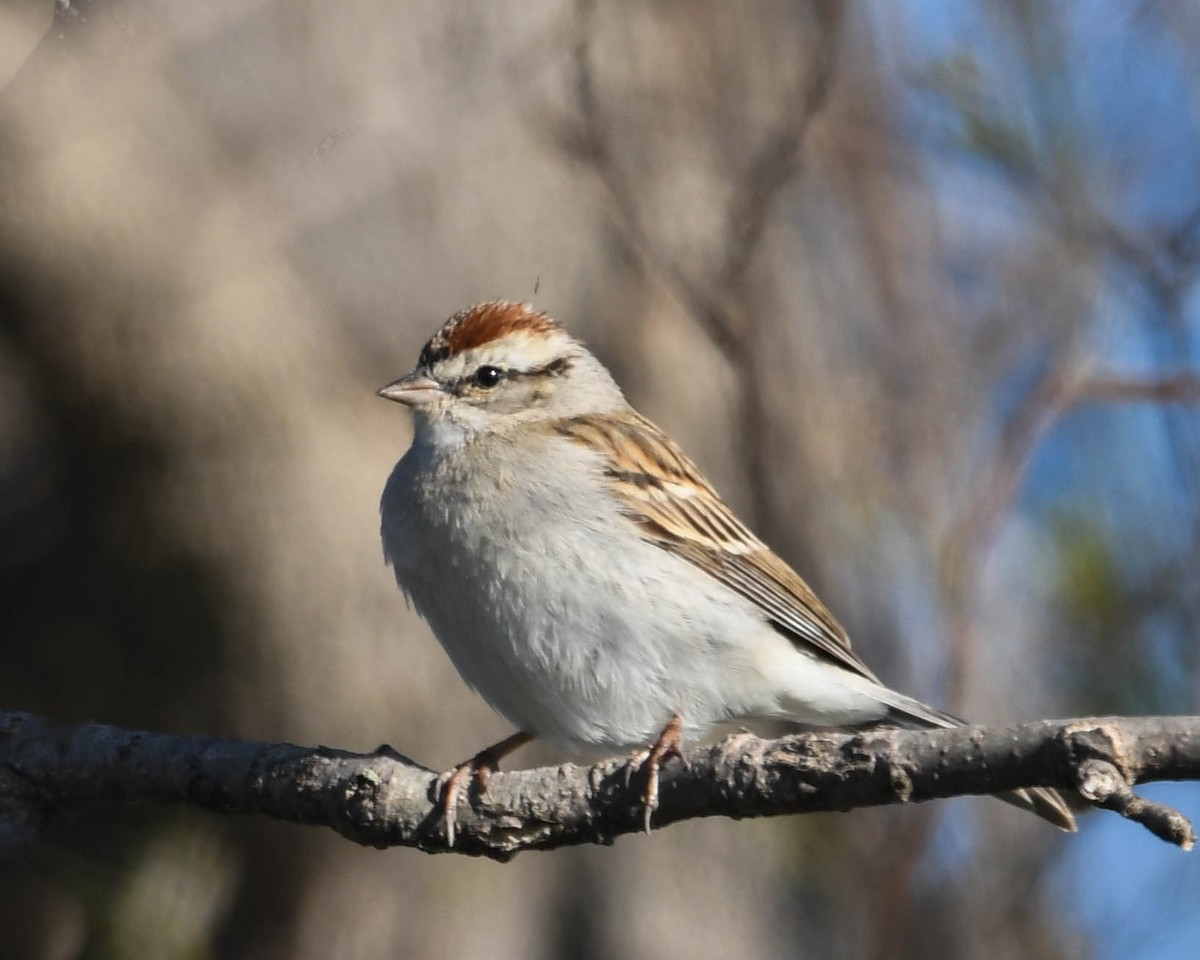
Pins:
<point x="876" y="265"/>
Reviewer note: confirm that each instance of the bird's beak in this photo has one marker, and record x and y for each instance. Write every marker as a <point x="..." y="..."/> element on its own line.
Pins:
<point x="413" y="390"/>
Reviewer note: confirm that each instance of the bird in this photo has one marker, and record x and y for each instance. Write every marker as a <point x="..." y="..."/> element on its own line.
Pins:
<point x="584" y="577"/>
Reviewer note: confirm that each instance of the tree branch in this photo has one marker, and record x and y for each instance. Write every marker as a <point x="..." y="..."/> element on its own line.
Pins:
<point x="385" y="799"/>
<point x="715" y="297"/>
<point x="1063" y="387"/>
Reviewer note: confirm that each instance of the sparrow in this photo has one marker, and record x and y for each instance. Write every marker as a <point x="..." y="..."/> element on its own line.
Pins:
<point x="585" y="578"/>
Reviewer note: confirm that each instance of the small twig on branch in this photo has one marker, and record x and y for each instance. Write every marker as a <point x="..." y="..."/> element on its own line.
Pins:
<point x="1102" y="783"/>
<point x="1103" y="775"/>
<point x="383" y="799"/>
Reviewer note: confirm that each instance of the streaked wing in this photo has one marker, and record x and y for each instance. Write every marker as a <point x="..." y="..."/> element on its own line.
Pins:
<point x="664" y="493"/>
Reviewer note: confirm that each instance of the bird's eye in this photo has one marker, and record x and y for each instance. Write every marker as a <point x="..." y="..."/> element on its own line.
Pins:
<point x="488" y="376"/>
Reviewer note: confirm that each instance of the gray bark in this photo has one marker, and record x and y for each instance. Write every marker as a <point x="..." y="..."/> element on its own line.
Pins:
<point x="385" y="799"/>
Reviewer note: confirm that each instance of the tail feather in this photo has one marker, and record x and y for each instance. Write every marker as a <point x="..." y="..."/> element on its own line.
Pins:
<point x="1046" y="802"/>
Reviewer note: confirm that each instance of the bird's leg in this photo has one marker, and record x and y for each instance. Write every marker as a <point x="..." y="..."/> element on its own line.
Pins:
<point x="481" y="767"/>
<point x="669" y="744"/>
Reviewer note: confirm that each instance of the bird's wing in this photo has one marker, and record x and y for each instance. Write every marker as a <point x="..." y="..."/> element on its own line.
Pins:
<point x="662" y="491"/>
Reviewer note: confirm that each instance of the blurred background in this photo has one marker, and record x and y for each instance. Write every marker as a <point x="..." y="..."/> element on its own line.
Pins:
<point x="914" y="282"/>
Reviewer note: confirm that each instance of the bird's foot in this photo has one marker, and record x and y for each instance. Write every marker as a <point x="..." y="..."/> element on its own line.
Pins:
<point x="451" y="784"/>
<point x="669" y="744"/>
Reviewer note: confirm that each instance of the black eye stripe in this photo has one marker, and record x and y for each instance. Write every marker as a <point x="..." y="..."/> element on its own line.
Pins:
<point x="555" y="368"/>
<point x="460" y="385"/>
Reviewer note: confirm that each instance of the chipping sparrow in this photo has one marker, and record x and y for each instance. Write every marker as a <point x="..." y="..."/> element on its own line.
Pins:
<point x="585" y="578"/>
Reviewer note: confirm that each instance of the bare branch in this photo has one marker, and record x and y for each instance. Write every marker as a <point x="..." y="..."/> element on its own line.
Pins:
<point x="587" y="138"/>
<point x="716" y="298"/>
<point x="384" y="799"/>
<point x="1061" y="389"/>
<point x="970" y="536"/>
<point x="1102" y="783"/>
<point x="780" y="157"/>
<point x="715" y="304"/>
<point x="1020" y="438"/>
<point x="1181" y="387"/>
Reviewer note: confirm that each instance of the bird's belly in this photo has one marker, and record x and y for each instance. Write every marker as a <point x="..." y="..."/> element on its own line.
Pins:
<point x="604" y="650"/>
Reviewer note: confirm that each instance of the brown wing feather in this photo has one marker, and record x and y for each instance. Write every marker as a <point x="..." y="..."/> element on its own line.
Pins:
<point x="664" y="493"/>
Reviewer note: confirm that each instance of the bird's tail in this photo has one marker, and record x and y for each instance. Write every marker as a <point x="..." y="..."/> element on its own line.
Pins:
<point x="1046" y="802"/>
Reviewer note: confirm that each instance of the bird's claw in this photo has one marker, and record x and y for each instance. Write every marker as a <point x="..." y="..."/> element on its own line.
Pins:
<point x="480" y="769"/>
<point x="450" y="785"/>
<point x="668" y="745"/>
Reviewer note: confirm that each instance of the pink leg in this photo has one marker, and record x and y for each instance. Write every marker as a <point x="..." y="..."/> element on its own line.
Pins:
<point x="669" y="744"/>
<point x="481" y="767"/>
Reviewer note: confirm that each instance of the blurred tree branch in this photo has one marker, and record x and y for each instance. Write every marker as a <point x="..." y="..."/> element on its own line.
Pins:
<point x="715" y="295"/>
<point x="384" y="799"/>
<point x="1062" y="389"/>
<point x="1065" y="386"/>
<point x="775" y="161"/>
